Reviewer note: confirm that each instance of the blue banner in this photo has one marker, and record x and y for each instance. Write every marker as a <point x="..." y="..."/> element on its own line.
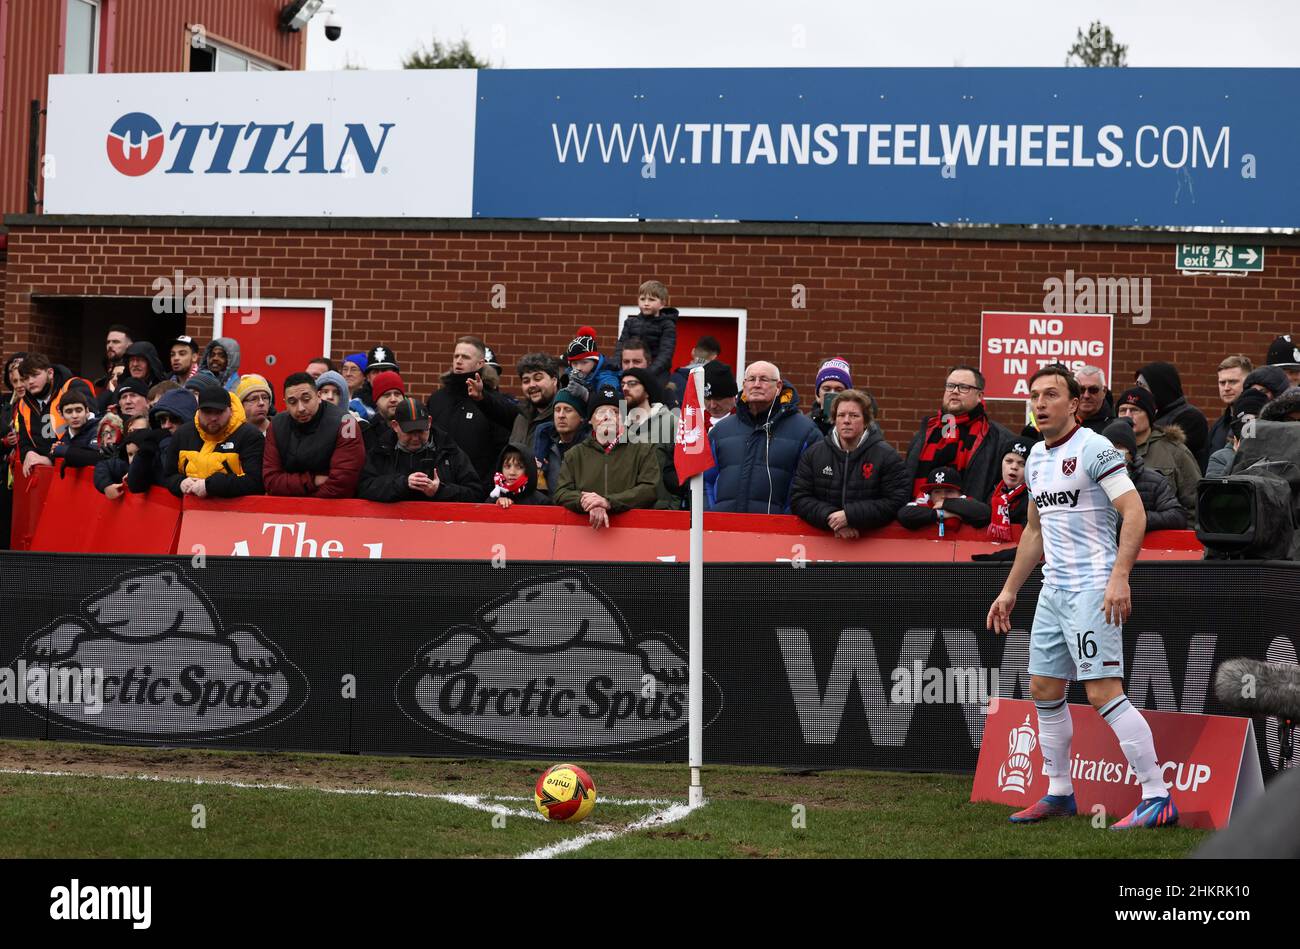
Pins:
<point x="1180" y="147"/>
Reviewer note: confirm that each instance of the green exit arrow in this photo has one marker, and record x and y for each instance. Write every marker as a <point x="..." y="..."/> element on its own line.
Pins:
<point x="1219" y="258"/>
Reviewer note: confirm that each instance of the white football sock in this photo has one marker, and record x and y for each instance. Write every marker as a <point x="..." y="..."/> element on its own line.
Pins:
<point x="1134" y="736"/>
<point x="1055" y="731"/>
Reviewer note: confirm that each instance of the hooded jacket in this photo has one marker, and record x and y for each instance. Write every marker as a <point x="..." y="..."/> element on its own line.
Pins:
<point x="756" y="458"/>
<point x="660" y="335"/>
<point x="230" y="377"/>
<point x="230" y="462"/>
<point x="627" y="475"/>
<point x="1165" y="451"/>
<point x="1164" y="512"/>
<point x="29" y="414"/>
<point x="150" y="465"/>
<point x="869" y="484"/>
<point x="530" y="494"/>
<point x="157" y="373"/>
<point x="550" y="451"/>
<point x="388" y="467"/>
<point x="603" y="375"/>
<point x="329" y="444"/>
<point x="480" y="427"/>
<point x="1172" y="408"/>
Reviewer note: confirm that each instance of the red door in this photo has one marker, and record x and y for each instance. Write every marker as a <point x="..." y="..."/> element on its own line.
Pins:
<point x="725" y="329"/>
<point x="277" y="337"/>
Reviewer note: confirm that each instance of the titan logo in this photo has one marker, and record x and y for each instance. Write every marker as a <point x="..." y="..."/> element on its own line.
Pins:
<point x="136" y="143"/>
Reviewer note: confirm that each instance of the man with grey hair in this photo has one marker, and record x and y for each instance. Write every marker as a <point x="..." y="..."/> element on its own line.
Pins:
<point x="1096" y="410"/>
<point x="757" y="450"/>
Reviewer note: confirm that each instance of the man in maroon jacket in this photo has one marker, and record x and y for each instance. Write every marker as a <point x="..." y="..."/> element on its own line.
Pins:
<point x="313" y="449"/>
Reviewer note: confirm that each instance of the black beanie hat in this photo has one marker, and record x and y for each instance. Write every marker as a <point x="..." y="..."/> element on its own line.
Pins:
<point x="1120" y="432"/>
<point x="1141" y="398"/>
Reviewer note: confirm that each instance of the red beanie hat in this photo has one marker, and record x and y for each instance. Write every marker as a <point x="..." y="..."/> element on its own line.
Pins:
<point x="385" y="381"/>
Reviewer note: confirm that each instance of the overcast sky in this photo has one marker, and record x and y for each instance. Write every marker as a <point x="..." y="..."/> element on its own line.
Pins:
<point x="643" y="33"/>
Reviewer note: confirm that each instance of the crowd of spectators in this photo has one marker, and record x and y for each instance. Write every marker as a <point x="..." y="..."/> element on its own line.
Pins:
<point x="593" y="430"/>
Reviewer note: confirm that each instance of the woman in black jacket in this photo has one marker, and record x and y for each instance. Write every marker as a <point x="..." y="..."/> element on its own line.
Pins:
<point x="853" y="480"/>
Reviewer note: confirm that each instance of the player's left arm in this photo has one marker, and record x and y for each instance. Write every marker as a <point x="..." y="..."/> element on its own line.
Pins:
<point x="1107" y="467"/>
<point x="1118" y="603"/>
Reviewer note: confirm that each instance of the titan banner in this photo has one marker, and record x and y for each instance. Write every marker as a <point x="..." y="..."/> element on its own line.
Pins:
<point x="822" y="666"/>
<point x="989" y="146"/>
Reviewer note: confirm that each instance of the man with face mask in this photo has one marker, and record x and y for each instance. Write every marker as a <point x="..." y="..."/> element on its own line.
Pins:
<point x="471" y="409"/>
<point x="314" y="448"/>
<point x="419" y="463"/>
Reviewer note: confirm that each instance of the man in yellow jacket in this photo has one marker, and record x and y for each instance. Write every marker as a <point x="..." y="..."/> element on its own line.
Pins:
<point x="217" y="454"/>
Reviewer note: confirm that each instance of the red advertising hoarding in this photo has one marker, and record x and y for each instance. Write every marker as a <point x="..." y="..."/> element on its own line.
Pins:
<point x="1210" y="763"/>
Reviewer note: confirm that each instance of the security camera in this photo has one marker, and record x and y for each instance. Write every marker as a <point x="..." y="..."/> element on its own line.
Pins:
<point x="333" y="26"/>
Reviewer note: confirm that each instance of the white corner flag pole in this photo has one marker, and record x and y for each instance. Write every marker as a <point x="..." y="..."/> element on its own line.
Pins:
<point x="696" y="679"/>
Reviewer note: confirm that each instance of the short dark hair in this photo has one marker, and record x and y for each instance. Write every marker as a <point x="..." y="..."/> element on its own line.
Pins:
<point x="512" y="450"/>
<point x="74" y="397"/>
<point x="299" y="379"/>
<point x="33" y="363"/>
<point x="979" y="376"/>
<point x="636" y="342"/>
<point x="162" y="388"/>
<point x="119" y="328"/>
<point x="1056" y="369"/>
<point x="538" y="362"/>
<point x="709" y="344"/>
<point x="329" y="363"/>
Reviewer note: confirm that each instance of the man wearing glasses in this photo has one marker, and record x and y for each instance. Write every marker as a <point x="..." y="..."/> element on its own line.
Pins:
<point x="757" y="450"/>
<point x="1096" y="410"/>
<point x="962" y="436"/>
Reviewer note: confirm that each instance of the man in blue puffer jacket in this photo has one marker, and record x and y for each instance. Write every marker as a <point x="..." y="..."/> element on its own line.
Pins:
<point x="757" y="450"/>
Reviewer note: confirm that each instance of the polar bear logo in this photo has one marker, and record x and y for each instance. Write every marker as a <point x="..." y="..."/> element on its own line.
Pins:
<point x="147" y="605"/>
<point x="550" y="614"/>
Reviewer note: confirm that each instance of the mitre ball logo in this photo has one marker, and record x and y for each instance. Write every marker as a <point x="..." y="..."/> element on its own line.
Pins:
<point x="135" y="144"/>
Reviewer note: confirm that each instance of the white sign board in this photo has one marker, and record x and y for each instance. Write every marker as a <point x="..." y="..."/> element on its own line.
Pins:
<point x="347" y="143"/>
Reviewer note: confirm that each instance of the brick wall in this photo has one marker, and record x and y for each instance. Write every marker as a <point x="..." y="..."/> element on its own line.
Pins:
<point x="899" y="309"/>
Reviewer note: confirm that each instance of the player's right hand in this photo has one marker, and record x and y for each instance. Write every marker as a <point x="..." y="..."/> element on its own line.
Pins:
<point x="999" y="619"/>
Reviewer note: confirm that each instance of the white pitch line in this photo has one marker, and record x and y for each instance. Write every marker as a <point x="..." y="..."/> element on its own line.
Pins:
<point x="659" y="818"/>
<point x="480" y="802"/>
<point x="629" y="801"/>
<point x="465" y="800"/>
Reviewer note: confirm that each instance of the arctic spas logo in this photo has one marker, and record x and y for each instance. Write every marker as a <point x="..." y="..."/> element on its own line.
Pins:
<point x="170" y="667"/>
<point x="136" y="143"/>
<point x="552" y="666"/>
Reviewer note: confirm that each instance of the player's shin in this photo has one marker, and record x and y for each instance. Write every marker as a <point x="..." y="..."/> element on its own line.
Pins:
<point x="1055" y="731"/>
<point x="1134" y="736"/>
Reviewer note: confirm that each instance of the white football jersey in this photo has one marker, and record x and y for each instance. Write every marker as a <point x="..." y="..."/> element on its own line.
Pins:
<point x="1079" y="522"/>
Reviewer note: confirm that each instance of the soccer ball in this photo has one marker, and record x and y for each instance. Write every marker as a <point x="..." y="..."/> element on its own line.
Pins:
<point x="565" y="792"/>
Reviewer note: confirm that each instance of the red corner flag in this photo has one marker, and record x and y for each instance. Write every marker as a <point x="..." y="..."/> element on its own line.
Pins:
<point x="692" y="454"/>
